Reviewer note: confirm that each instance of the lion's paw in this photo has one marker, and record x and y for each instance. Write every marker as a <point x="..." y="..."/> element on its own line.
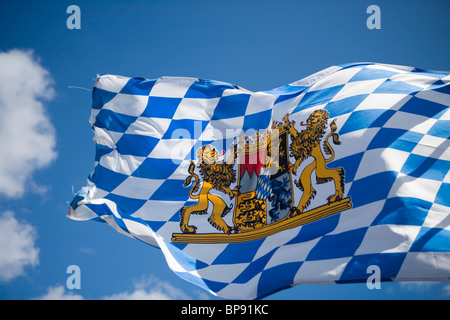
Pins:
<point x="189" y="229"/>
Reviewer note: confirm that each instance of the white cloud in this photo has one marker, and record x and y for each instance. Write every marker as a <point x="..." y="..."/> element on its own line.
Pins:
<point x="27" y="137"/>
<point x="17" y="243"/>
<point x="426" y="286"/>
<point x="417" y="285"/>
<point x="151" y="289"/>
<point x="140" y="294"/>
<point x="59" y="293"/>
<point x="146" y="288"/>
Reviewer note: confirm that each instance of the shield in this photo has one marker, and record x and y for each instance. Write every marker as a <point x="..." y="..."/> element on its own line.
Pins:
<point x="264" y="179"/>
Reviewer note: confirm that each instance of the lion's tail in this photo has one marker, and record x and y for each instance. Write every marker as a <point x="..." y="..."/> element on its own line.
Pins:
<point x="327" y="147"/>
<point x="192" y="175"/>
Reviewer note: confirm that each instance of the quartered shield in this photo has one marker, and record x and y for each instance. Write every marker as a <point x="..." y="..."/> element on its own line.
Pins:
<point x="266" y="190"/>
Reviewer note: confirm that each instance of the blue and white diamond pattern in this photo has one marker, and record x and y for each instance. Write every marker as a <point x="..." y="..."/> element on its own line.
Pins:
<point x="394" y="122"/>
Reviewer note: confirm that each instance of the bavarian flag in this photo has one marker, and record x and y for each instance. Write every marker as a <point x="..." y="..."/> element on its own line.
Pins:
<point x="247" y="193"/>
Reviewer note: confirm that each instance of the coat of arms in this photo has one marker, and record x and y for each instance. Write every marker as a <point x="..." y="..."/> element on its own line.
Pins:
<point x="255" y="182"/>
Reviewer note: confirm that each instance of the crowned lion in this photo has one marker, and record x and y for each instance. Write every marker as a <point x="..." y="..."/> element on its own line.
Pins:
<point x="217" y="175"/>
<point x="306" y="143"/>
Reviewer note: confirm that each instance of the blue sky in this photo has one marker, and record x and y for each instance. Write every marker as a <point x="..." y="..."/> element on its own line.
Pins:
<point x="258" y="45"/>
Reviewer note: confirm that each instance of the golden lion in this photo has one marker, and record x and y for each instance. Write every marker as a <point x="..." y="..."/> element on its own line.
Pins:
<point x="307" y="144"/>
<point x="215" y="175"/>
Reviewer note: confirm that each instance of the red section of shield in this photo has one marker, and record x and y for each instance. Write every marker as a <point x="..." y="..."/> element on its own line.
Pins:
<point x="252" y="163"/>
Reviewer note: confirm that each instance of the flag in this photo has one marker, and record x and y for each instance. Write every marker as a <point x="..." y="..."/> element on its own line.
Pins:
<point x="247" y="193"/>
